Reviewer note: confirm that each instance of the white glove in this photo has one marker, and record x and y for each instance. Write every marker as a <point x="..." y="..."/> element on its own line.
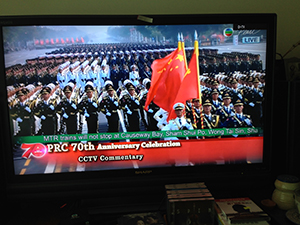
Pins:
<point x="65" y="116"/>
<point x="150" y="110"/>
<point x="27" y="109"/>
<point x="74" y="106"/>
<point x="137" y="102"/>
<point x="19" y="120"/>
<point x="251" y="104"/>
<point x="86" y="114"/>
<point x="51" y="107"/>
<point x="116" y="103"/>
<point x="95" y="105"/>
<point x="43" y="117"/>
<point x="108" y="114"/>
<point x="129" y="112"/>
<point x="248" y="122"/>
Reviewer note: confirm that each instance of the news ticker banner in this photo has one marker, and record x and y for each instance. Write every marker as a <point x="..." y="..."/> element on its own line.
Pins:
<point x="219" y="132"/>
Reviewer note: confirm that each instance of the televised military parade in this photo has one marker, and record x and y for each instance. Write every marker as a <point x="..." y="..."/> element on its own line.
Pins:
<point x="94" y="88"/>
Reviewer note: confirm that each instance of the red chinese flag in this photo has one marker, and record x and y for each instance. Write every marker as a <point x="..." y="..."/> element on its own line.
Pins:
<point x="166" y="79"/>
<point x="190" y="86"/>
<point x="170" y="83"/>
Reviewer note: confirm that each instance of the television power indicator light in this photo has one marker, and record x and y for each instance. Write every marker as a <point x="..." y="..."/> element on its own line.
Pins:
<point x="228" y="32"/>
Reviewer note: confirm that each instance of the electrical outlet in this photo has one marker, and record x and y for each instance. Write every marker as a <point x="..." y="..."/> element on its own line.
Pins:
<point x="292" y="68"/>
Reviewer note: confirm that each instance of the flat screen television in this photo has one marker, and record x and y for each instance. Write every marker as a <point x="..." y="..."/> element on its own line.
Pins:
<point x="74" y="91"/>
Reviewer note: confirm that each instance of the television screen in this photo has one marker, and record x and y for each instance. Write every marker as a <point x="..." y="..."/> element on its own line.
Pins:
<point x="90" y="95"/>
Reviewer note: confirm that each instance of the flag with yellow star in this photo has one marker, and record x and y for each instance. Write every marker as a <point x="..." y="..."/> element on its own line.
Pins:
<point x="190" y="86"/>
<point x="166" y="79"/>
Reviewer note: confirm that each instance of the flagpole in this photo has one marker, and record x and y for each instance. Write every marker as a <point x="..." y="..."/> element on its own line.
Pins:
<point x="196" y="49"/>
<point x="179" y="42"/>
<point x="183" y="49"/>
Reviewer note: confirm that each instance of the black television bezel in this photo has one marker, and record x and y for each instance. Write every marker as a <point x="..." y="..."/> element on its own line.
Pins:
<point x="54" y="185"/>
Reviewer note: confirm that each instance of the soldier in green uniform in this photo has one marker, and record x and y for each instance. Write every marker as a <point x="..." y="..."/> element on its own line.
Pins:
<point x="226" y="110"/>
<point x="22" y="113"/>
<point x="239" y="119"/>
<point x="109" y="106"/>
<point x="210" y="120"/>
<point x="152" y="108"/>
<point x="257" y="63"/>
<point x="130" y="103"/>
<point x="88" y="106"/>
<point x="195" y="114"/>
<point x="255" y="99"/>
<point x="234" y="92"/>
<point x="215" y="100"/>
<point x="68" y="110"/>
<point x="46" y="110"/>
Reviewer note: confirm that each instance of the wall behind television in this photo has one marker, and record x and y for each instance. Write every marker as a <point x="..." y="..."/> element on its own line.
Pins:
<point x="287" y="11"/>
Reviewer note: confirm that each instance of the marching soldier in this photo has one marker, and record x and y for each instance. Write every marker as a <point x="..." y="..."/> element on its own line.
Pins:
<point x="61" y="78"/>
<point x="68" y="109"/>
<point x="93" y="74"/>
<point x="152" y="108"/>
<point x="188" y="107"/>
<point x="179" y="123"/>
<point x="82" y="77"/>
<point x="124" y="73"/>
<point x="103" y="74"/>
<point x="226" y="110"/>
<point x="195" y="114"/>
<point x="257" y="63"/>
<point x="234" y="92"/>
<point x="246" y="65"/>
<point x="239" y="119"/>
<point x="131" y="105"/>
<point x="146" y="73"/>
<point x="46" y="111"/>
<point x="115" y="76"/>
<point x="109" y="106"/>
<point x="22" y="113"/>
<point x="134" y="75"/>
<point x="203" y="67"/>
<point x="216" y="103"/>
<point x="255" y="99"/>
<point x="210" y="120"/>
<point x="88" y="106"/>
<point x="213" y="67"/>
<point x="235" y="65"/>
<point x="224" y="65"/>
<point x="71" y="77"/>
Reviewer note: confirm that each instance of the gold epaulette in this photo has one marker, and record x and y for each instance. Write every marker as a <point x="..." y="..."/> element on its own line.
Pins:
<point x="53" y="101"/>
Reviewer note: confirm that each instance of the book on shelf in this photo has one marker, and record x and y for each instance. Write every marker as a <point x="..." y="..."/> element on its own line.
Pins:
<point x="189" y="203"/>
<point x="241" y="210"/>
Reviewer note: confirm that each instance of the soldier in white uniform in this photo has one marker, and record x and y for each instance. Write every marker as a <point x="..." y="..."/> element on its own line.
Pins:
<point x="83" y="76"/>
<point x="61" y="79"/>
<point x="134" y="75"/>
<point x="103" y="75"/>
<point x="179" y="123"/>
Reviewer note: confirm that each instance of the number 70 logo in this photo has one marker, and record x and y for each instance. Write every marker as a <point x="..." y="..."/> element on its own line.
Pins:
<point x="36" y="150"/>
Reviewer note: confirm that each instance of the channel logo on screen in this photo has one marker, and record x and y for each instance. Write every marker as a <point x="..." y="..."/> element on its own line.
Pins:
<point x="228" y="32"/>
